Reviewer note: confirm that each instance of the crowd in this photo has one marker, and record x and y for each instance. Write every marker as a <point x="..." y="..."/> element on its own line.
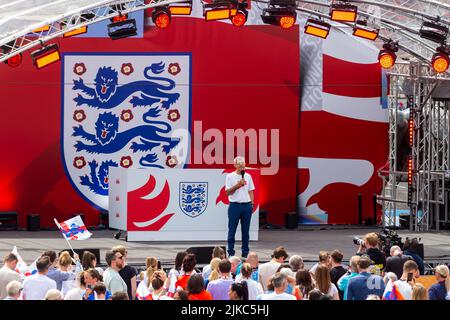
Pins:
<point x="369" y="276"/>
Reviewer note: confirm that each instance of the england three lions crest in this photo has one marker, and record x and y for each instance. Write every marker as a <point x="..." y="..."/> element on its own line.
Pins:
<point x="122" y="110"/>
<point x="193" y="198"/>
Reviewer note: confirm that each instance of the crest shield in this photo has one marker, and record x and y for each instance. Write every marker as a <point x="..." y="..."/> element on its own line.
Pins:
<point x="193" y="198"/>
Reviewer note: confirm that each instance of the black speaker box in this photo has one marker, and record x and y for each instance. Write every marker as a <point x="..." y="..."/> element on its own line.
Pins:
<point x="291" y="220"/>
<point x="33" y="222"/>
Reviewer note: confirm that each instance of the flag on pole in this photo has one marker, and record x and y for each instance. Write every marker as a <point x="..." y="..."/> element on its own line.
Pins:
<point x="21" y="266"/>
<point x="74" y="229"/>
<point x="143" y="292"/>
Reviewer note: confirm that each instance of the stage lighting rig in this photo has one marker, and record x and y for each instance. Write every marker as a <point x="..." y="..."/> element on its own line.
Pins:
<point x="181" y="8"/>
<point x="387" y="55"/>
<point x="363" y="31"/>
<point x="280" y="12"/>
<point x="161" y="17"/>
<point x="343" y="11"/>
<point x="122" y="29"/>
<point x="317" y="28"/>
<point x="434" y="31"/>
<point x="13" y="61"/>
<point x="46" y="55"/>
<point x="239" y="13"/>
<point x="440" y="60"/>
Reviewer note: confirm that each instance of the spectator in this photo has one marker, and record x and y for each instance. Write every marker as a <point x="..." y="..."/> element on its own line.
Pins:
<point x="189" y="263"/>
<point x="365" y="283"/>
<point x="324" y="258"/>
<point x="175" y="272"/>
<point x="196" y="289"/>
<point x="89" y="261"/>
<point x="371" y="249"/>
<point x="56" y="272"/>
<point x="254" y="288"/>
<point x="337" y="269"/>
<point x="235" y="263"/>
<point x="77" y="292"/>
<point x="120" y="296"/>
<point x="54" y="294"/>
<point x="181" y="295"/>
<point x="396" y="261"/>
<point x="324" y="284"/>
<point x="403" y="287"/>
<point x="268" y="269"/>
<point x="127" y="272"/>
<point x="13" y="290"/>
<point x="219" y="253"/>
<point x="215" y="274"/>
<point x="411" y="249"/>
<point x="92" y="277"/>
<point x="280" y="283"/>
<point x="390" y="276"/>
<point x="65" y="266"/>
<point x="35" y="287"/>
<point x="315" y="294"/>
<point x="290" y="276"/>
<point x="100" y="291"/>
<point x="304" y="283"/>
<point x="151" y="265"/>
<point x="219" y="288"/>
<point x="111" y="276"/>
<point x="419" y="292"/>
<point x="296" y="263"/>
<point x="373" y="297"/>
<point x="157" y="283"/>
<point x="438" y="291"/>
<point x="238" y="291"/>
<point x="8" y="274"/>
<point x="353" y="272"/>
<point x="253" y="260"/>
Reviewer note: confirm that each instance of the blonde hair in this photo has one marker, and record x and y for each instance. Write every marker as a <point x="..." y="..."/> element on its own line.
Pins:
<point x="419" y="292"/>
<point x="152" y="265"/>
<point x="323" y="279"/>
<point x="64" y="259"/>
<point x="122" y="249"/>
<point x="215" y="274"/>
<point x="443" y="271"/>
<point x="372" y="239"/>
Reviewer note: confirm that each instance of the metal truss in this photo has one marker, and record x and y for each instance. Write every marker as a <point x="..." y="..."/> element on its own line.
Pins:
<point x="72" y="20"/>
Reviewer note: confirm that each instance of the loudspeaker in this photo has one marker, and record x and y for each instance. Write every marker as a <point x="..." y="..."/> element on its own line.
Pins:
<point x="33" y="222"/>
<point x="263" y="218"/>
<point x="291" y="220"/>
<point x="203" y="255"/>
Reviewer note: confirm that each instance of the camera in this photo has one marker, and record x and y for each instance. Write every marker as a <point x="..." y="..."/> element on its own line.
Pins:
<point x="357" y="241"/>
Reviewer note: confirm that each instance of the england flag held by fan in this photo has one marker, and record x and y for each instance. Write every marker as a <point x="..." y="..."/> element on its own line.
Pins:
<point x="74" y="229"/>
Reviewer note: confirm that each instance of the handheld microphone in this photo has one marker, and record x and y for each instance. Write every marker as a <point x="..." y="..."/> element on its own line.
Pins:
<point x="242" y="173"/>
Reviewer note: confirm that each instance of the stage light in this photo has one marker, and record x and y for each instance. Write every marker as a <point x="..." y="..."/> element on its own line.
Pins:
<point x="161" y="17"/>
<point x="119" y="18"/>
<point x="75" y="32"/>
<point x="46" y="56"/>
<point x="343" y="12"/>
<point x="361" y="30"/>
<point x="239" y="18"/>
<point x="14" y="61"/>
<point x="280" y="12"/>
<point x="317" y="28"/>
<point x="433" y="31"/>
<point x="387" y="56"/>
<point x="122" y="29"/>
<point x="42" y="29"/>
<point x="181" y="8"/>
<point x="440" y="60"/>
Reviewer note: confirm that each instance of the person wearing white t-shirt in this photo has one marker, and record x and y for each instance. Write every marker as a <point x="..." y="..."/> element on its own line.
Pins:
<point x="268" y="269"/>
<point x="239" y="189"/>
<point x="35" y="287"/>
<point x="254" y="287"/>
<point x="280" y="285"/>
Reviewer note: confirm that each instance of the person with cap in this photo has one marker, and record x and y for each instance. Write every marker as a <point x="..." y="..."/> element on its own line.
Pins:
<point x="439" y="290"/>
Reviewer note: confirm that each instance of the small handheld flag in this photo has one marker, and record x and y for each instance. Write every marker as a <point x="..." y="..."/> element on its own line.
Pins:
<point x="73" y="229"/>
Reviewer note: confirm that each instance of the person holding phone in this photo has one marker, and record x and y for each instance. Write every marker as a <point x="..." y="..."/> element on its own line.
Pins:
<point x="402" y="289"/>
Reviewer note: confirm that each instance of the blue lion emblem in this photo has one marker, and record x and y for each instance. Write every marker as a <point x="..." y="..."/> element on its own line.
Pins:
<point x="193" y="198"/>
<point x="97" y="181"/>
<point x="74" y="230"/>
<point x="108" y="94"/>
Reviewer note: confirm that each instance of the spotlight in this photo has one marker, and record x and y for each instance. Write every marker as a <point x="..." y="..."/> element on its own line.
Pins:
<point x="317" y="28"/>
<point x="361" y="30"/>
<point x="119" y="18"/>
<point x="14" y="61"/>
<point x="280" y="12"/>
<point x="440" y="60"/>
<point x="218" y="10"/>
<point x="343" y="11"/>
<point x="161" y="17"/>
<point x="42" y="29"/>
<point x="46" y="56"/>
<point x="433" y="31"/>
<point x="181" y="8"/>
<point x="387" y="55"/>
<point x="75" y="32"/>
<point x="122" y="29"/>
<point x="239" y="14"/>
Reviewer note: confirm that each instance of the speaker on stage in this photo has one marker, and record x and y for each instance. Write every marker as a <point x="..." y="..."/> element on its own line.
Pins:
<point x="291" y="220"/>
<point x="33" y="222"/>
<point x="203" y="255"/>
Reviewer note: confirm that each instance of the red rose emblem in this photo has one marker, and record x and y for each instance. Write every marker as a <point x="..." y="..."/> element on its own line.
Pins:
<point x="79" y="162"/>
<point x="79" y="68"/>
<point x="79" y="115"/>
<point x="173" y="115"/>
<point x="126" y="115"/>
<point x="171" y="161"/>
<point x="127" y="69"/>
<point x="126" y="162"/>
<point x="174" y="69"/>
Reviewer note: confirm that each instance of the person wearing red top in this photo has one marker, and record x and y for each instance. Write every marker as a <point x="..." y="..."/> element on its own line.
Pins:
<point x="188" y="269"/>
<point x="196" y="289"/>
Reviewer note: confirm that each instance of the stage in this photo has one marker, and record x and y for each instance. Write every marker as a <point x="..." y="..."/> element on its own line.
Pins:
<point x="306" y="241"/>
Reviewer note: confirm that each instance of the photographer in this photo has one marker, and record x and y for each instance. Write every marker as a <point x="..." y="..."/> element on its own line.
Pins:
<point x="370" y="247"/>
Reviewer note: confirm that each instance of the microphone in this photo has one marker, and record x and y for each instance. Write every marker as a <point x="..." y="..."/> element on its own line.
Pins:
<point x="242" y="173"/>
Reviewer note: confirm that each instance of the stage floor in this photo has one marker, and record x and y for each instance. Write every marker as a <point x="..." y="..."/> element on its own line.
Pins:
<point x="307" y="241"/>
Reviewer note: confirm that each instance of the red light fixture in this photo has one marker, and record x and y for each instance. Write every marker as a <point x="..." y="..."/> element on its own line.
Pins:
<point x="440" y="61"/>
<point x="287" y="22"/>
<point x="14" y="61"/>
<point x="161" y="17"/>
<point x="239" y="19"/>
<point x="387" y="56"/>
<point x="120" y="18"/>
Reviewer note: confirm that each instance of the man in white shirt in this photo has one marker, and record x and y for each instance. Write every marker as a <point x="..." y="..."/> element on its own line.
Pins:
<point x="111" y="277"/>
<point x="35" y="287"/>
<point x="280" y="285"/>
<point x="239" y="189"/>
<point x="8" y="274"/>
<point x="404" y="285"/>
<point x="268" y="269"/>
